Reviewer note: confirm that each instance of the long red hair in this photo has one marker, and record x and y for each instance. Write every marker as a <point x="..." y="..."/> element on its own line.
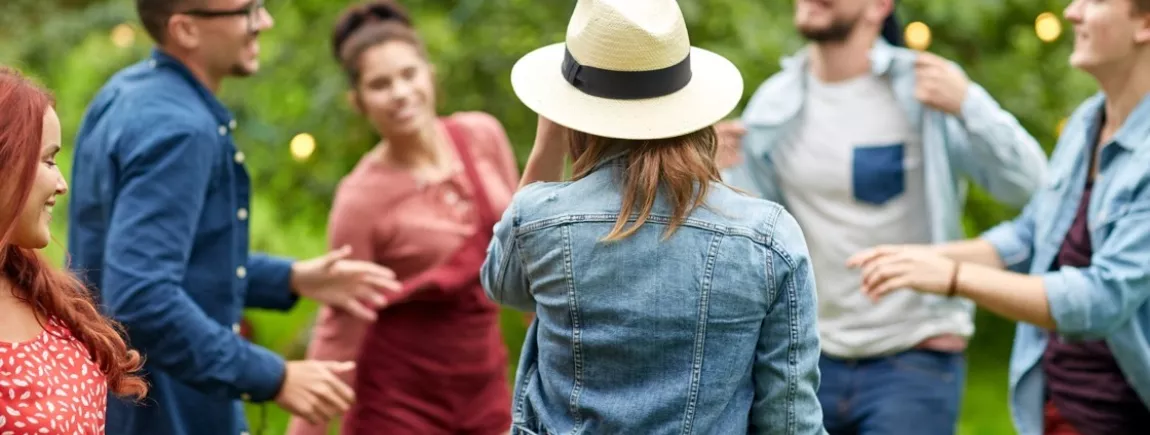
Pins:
<point x="50" y="291"/>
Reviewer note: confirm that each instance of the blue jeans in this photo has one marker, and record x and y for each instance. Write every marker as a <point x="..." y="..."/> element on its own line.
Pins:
<point x="913" y="392"/>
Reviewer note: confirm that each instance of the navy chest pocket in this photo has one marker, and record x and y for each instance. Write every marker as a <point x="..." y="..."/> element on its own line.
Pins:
<point x="878" y="173"/>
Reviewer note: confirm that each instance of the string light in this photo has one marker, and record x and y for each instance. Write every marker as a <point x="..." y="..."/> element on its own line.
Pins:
<point x="1047" y="27"/>
<point x="302" y="146"/>
<point x="917" y="35"/>
<point x="123" y="36"/>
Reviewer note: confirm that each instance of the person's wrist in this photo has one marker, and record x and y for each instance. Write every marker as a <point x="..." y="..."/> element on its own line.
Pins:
<point x="294" y="279"/>
<point x="953" y="289"/>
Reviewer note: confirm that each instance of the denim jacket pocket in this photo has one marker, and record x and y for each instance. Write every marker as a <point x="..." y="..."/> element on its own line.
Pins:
<point x="878" y="173"/>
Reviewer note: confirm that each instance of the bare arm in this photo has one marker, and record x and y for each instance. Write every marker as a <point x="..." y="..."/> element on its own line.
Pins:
<point x="548" y="155"/>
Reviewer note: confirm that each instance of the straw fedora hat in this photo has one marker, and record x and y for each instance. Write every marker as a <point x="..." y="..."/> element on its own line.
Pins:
<point x="627" y="70"/>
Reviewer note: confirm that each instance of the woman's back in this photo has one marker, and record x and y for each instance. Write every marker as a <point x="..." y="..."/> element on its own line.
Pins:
<point x="690" y="334"/>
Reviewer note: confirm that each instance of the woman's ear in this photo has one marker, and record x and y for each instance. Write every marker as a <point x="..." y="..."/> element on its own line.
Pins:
<point x="354" y="101"/>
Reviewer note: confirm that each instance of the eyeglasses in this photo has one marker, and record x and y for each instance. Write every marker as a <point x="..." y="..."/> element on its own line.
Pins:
<point x="250" y="10"/>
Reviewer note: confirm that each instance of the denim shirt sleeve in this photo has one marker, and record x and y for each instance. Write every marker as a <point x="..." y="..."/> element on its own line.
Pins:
<point x="269" y="284"/>
<point x="1014" y="240"/>
<point x="995" y="150"/>
<point x="753" y="176"/>
<point x="1092" y="302"/>
<point x="502" y="272"/>
<point x="162" y="184"/>
<point x="786" y="370"/>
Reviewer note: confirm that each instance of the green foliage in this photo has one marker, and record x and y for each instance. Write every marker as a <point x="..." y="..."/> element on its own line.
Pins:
<point x="66" y="45"/>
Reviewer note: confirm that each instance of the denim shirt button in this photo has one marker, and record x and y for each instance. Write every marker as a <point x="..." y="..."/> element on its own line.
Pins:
<point x="223" y="130"/>
<point x="241" y="272"/>
<point x="232" y="124"/>
<point x="152" y="63"/>
<point x="242" y="214"/>
<point x="239" y="157"/>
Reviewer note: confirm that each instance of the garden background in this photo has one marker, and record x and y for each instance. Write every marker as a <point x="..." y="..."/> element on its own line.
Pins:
<point x="300" y="136"/>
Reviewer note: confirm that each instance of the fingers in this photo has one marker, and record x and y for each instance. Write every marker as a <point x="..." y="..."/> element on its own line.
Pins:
<point x="358" y="310"/>
<point x="878" y="291"/>
<point x="878" y="272"/>
<point x="372" y="296"/>
<point x="310" y="413"/>
<point x="332" y="397"/>
<point x="379" y="282"/>
<point x="366" y="268"/>
<point x="868" y="255"/>
<point x="732" y="127"/>
<point x="339" y="366"/>
<point x="333" y="257"/>
<point x="927" y="60"/>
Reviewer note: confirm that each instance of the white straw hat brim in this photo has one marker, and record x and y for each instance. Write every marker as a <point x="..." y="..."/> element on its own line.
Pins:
<point x="713" y="92"/>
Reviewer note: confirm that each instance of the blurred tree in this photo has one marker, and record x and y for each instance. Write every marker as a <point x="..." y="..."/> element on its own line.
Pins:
<point x="73" y="46"/>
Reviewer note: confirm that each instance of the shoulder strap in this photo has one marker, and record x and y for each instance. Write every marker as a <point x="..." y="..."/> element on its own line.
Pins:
<point x="461" y="140"/>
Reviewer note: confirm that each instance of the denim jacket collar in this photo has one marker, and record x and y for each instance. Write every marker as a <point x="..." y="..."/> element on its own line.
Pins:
<point x="159" y="58"/>
<point x="1133" y="135"/>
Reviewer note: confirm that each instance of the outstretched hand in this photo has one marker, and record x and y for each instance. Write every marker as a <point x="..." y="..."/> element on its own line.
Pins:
<point x="355" y="286"/>
<point x="891" y="267"/>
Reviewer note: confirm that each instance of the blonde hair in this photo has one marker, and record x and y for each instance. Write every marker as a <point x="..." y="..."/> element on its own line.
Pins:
<point x="683" y="167"/>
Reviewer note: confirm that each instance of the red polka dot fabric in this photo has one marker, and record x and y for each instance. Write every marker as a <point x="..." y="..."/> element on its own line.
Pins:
<point x="50" y="386"/>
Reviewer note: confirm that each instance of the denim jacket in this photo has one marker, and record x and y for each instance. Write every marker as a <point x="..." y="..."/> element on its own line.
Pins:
<point x="985" y="144"/>
<point x="711" y="331"/>
<point x="1106" y="300"/>
<point x="158" y="227"/>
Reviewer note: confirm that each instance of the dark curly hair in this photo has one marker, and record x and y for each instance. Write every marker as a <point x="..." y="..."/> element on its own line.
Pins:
<point x="367" y="25"/>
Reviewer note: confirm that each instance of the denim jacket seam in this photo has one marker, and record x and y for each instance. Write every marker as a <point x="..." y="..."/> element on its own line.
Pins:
<point x="576" y="333"/>
<point x="521" y="396"/>
<point x="505" y="263"/>
<point x="701" y="334"/>
<point x="790" y="292"/>
<point x="572" y="218"/>
<point x="792" y="349"/>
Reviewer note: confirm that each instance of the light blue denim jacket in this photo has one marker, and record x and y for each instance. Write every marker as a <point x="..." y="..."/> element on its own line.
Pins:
<point x="1108" y="299"/>
<point x="711" y="331"/>
<point x="986" y="144"/>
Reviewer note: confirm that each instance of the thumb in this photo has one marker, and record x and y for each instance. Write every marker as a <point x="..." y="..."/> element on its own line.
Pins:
<point x="332" y="257"/>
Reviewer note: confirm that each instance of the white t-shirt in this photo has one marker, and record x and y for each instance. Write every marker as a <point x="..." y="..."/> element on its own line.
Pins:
<point x="852" y="177"/>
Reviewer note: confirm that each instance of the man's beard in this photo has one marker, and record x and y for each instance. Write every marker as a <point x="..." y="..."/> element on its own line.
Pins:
<point x="837" y="31"/>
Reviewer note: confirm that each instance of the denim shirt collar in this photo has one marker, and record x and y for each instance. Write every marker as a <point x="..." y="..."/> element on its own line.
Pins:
<point x="881" y="58"/>
<point x="160" y="59"/>
<point x="1135" y="131"/>
<point x="780" y="99"/>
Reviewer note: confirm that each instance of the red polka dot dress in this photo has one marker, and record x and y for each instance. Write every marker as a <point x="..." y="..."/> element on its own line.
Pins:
<point x="50" y="386"/>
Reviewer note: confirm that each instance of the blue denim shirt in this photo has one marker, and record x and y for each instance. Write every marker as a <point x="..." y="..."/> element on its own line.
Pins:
<point x="710" y="331"/>
<point x="985" y="144"/>
<point x="1108" y="299"/>
<point x="158" y="225"/>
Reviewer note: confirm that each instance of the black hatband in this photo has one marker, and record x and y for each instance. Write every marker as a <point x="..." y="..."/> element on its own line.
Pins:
<point x="626" y="85"/>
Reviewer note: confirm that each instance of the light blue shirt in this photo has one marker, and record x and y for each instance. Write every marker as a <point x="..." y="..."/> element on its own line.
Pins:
<point x="1106" y="300"/>
<point x="985" y="144"/>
